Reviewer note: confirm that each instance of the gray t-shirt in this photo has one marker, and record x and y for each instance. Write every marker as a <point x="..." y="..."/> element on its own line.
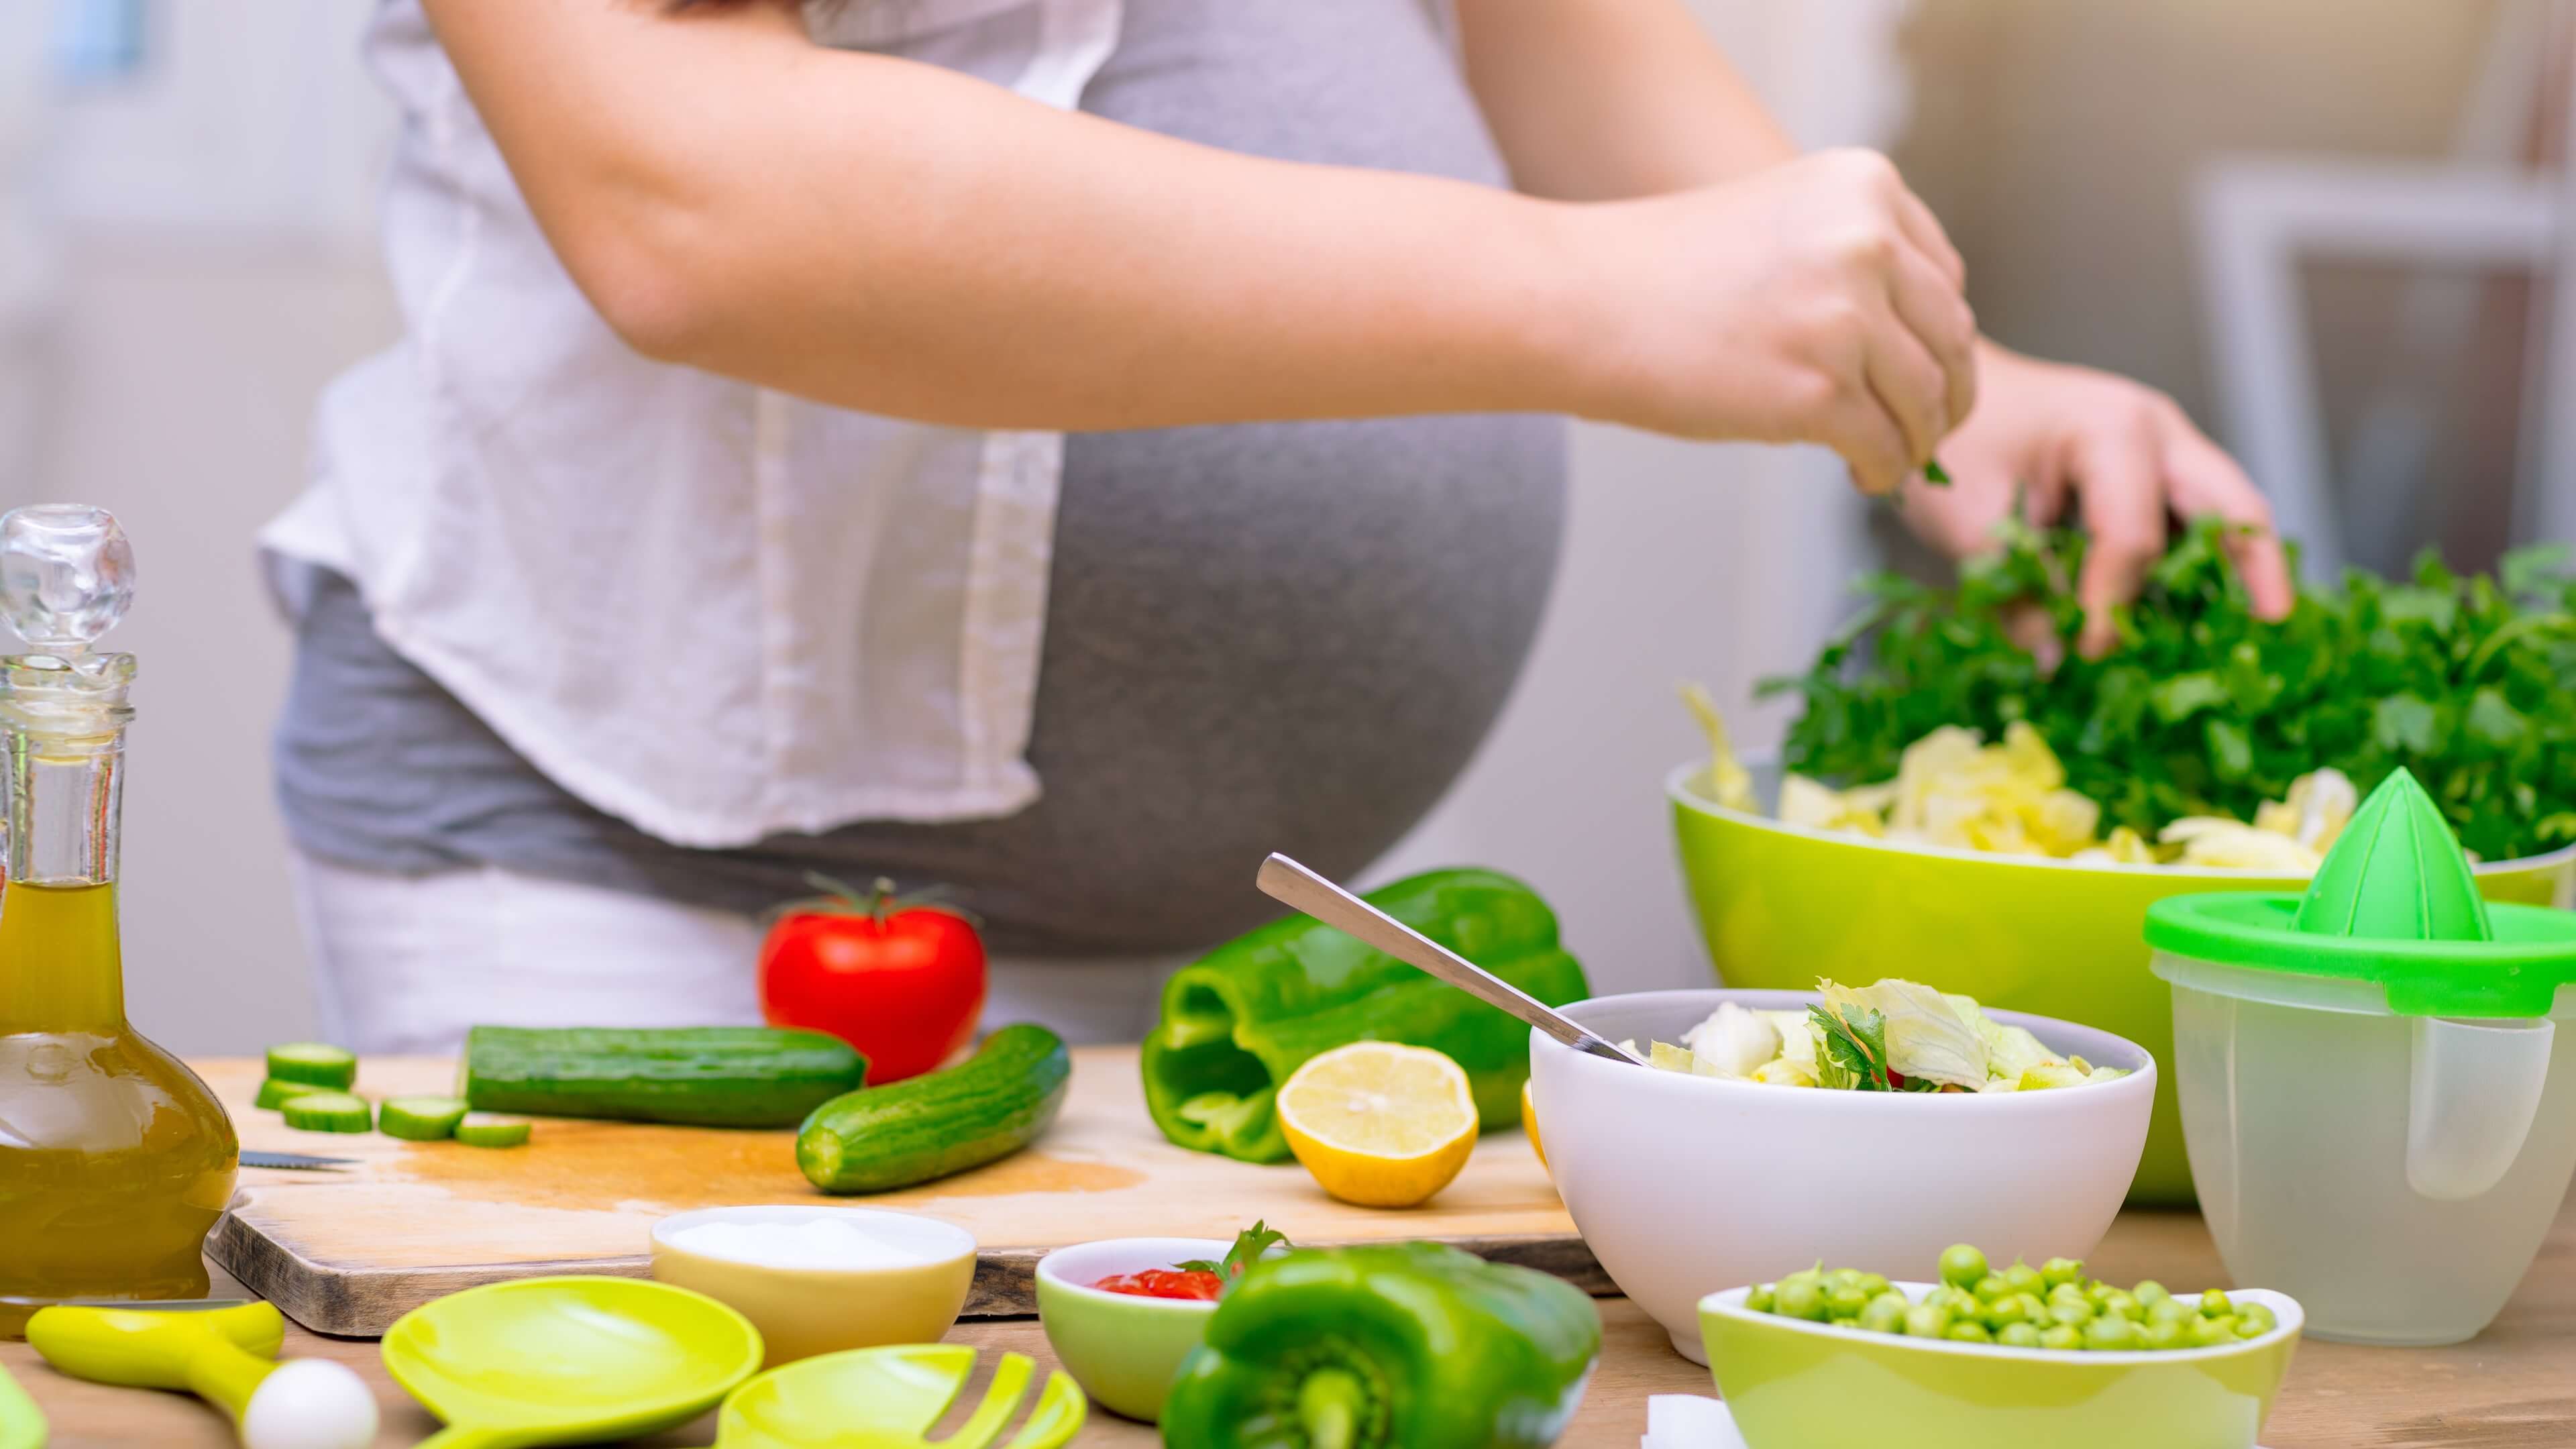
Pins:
<point x="1271" y="637"/>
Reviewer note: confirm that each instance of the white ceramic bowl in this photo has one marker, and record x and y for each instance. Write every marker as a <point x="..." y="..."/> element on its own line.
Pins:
<point x="1686" y="1185"/>
<point x="805" y="1311"/>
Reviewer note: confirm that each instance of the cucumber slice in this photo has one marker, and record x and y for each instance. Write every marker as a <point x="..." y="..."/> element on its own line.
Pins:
<point x="315" y="1062"/>
<point x="276" y="1092"/>
<point x="419" y="1119"/>
<point x="329" y="1112"/>
<point x="489" y="1129"/>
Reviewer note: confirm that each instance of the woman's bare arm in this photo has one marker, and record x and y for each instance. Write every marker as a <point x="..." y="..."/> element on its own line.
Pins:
<point x="900" y="238"/>
<point x="890" y="236"/>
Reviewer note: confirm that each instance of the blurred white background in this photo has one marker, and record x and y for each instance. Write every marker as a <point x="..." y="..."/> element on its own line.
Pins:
<point x="186" y="255"/>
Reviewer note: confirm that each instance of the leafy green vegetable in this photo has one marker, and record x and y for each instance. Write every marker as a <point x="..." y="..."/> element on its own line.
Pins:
<point x="2204" y="710"/>
<point x="1851" y="1048"/>
<point x="1248" y="1247"/>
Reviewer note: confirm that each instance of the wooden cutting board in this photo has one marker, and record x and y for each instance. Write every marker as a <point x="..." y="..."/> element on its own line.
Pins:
<point x="349" y="1251"/>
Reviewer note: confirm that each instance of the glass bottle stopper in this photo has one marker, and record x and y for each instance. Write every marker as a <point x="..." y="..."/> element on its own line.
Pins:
<point x="66" y="575"/>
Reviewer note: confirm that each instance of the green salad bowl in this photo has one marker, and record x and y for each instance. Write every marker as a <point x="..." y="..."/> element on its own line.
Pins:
<point x="1792" y="1384"/>
<point x="1780" y="905"/>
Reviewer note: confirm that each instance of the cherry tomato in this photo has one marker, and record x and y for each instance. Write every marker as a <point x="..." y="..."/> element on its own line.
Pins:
<point x="900" y="980"/>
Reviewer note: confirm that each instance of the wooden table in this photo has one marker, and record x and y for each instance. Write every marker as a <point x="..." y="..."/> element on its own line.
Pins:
<point x="2515" y="1386"/>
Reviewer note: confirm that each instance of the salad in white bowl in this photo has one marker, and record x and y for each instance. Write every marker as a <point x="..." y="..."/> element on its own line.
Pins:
<point x="1895" y="1036"/>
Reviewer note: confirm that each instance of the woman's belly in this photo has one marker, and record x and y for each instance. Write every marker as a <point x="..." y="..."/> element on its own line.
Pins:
<point x="1259" y="638"/>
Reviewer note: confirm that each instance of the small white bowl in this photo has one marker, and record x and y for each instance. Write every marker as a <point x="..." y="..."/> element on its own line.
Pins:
<point x="1686" y="1185"/>
<point x="801" y="1312"/>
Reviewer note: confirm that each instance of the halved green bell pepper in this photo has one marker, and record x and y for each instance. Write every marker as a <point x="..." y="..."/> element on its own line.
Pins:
<point x="1237" y="1022"/>
<point x="1391" y="1346"/>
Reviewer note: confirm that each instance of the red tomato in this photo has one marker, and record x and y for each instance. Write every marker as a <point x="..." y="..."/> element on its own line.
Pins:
<point x="1164" y="1283"/>
<point x="901" y="981"/>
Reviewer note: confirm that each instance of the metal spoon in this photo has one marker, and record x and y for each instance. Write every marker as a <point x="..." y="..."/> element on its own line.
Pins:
<point x="1286" y="881"/>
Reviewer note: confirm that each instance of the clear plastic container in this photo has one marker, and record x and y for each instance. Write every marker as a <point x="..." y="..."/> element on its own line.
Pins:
<point x="2395" y="1174"/>
<point x="2369" y="1100"/>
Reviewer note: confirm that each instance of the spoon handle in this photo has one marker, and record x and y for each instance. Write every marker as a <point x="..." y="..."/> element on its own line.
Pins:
<point x="1286" y="881"/>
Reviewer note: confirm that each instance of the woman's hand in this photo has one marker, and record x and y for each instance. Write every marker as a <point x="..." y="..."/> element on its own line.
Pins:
<point x="1817" y="301"/>
<point x="2119" y="457"/>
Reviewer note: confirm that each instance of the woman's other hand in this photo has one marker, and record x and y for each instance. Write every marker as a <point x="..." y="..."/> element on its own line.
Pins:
<point x="1816" y="301"/>
<point x="2116" y="456"/>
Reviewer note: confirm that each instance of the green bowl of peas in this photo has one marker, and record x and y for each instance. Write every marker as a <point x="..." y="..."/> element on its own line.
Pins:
<point x="1996" y="1355"/>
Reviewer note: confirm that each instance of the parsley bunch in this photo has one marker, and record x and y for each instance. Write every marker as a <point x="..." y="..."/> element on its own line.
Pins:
<point x="2202" y="709"/>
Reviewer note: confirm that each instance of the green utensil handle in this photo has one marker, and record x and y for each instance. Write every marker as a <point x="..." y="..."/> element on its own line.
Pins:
<point x="22" y="1425"/>
<point x="222" y="1372"/>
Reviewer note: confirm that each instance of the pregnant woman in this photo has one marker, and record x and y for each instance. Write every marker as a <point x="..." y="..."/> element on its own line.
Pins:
<point x="1063" y="449"/>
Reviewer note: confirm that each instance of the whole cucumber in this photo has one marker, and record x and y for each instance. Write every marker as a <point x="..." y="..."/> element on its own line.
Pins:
<point x="709" y="1076"/>
<point x="987" y="1107"/>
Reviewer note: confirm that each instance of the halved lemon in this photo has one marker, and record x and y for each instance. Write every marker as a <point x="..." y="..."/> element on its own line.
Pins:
<point x="1529" y="1123"/>
<point x="1380" y="1124"/>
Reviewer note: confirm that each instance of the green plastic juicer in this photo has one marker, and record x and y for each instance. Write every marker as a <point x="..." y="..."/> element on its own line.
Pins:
<point x="2367" y="1083"/>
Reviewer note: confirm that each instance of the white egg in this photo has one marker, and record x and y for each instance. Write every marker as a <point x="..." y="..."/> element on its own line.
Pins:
<point x="310" y="1403"/>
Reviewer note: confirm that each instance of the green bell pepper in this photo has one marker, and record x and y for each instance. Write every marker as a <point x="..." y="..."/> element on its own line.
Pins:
<point x="1391" y="1346"/>
<point x="1237" y="1022"/>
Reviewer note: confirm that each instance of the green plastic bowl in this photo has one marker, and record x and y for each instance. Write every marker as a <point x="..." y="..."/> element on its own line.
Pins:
<point x="1797" y="1385"/>
<point x="1780" y="905"/>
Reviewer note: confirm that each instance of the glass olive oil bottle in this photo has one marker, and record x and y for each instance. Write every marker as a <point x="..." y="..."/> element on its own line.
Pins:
<point x="114" y="1158"/>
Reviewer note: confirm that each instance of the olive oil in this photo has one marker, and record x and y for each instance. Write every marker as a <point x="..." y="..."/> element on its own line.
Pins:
<point x="115" y="1160"/>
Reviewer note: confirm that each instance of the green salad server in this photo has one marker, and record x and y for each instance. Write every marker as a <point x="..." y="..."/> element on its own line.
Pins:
<point x="569" y="1360"/>
<point x="891" y="1398"/>
<point x="21" y="1425"/>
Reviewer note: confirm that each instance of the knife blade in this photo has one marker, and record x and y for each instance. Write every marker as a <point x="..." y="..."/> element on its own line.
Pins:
<point x="295" y="1161"/>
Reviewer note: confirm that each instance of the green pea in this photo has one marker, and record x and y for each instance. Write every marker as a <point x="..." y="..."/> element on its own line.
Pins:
<point x="2020" y="1335"/>
<point x="1991" y="1287"/>
<point x="2111" y="1335"/>
<point x="2254" y="1320"/>
<point x="2163" y="1334"/>
<point x="1962" y="1265"/>
<point x="1957" y="1300"/>
<point x="1969" y="1333"/>
<point x="1873" y="1284"/>
<point x="2149" y="1293"/>
<point x="1845" y="1300"/>
<point x="2170" y="1310"/>
<point x="1841" y="1278"/>
<point x="1761" y="1299"/>
<point x="1843" y="1320"/>
<point x="2213" y="1332"/>
<point x="2098" y="1294"/>
<point x="2026" y="1279"/>
<point x="2119" y="1304"/>
<point x="2068" y="1293"/>
<point x="2007" y="1309"/>
<point x="1800" y="1298"/>
<point x="1885" y="1313"/>
<point x="1805" y="1275"/>
<point x="2073" y="1313"/>
<point x="1927" y="1320"/>
<point x="2215" y="1304"/>
<point x="2061" y="1336"/>
<point x="2062" y="1270"/>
